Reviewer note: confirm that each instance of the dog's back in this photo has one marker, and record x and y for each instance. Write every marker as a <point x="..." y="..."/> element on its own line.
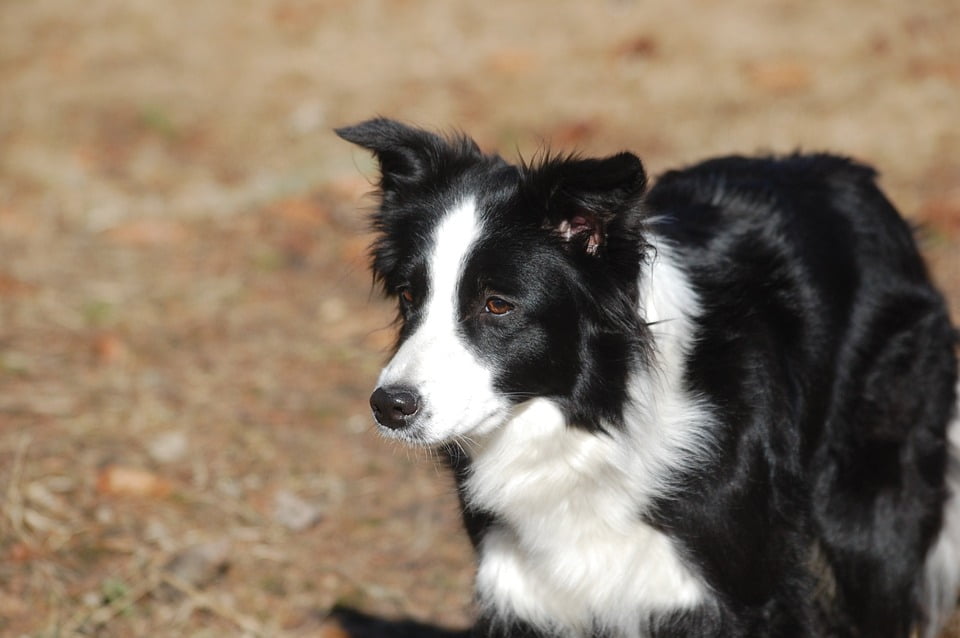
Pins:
<point x="831" y="358"/>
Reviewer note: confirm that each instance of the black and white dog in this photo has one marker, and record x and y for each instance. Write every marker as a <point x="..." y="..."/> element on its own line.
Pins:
<point x="724" y="407"/>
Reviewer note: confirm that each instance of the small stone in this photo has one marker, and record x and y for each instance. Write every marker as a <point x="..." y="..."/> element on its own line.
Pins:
<point x="293" y="512"/>
<point x="307" y="117"/>
<point x="200" y="564"/>
<point x="156" y="532"/>
<point x="168" y="447"/>
<point x="104" y="515"/>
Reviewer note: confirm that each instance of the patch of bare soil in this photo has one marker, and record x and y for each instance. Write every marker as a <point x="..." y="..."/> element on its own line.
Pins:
<point x="187" y="331"/>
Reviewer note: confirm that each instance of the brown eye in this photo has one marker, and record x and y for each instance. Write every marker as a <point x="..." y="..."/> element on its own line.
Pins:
<point x="406" y="295"/>
<point x="497" y="306"/>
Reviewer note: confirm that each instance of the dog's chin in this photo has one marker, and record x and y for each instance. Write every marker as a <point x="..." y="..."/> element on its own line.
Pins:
<point x="408" y="435"/>
<point x="421" y="434"/>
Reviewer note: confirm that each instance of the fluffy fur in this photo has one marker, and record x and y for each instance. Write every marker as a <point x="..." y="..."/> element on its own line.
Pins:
<point x="717" y="408"/>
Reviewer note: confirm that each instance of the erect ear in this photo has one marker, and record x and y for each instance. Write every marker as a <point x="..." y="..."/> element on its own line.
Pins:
<point x="406" y="154"/>
<point x="586" y="198"/>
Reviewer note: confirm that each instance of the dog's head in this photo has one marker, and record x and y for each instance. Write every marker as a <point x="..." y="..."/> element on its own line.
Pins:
<point x="512" y="283"/>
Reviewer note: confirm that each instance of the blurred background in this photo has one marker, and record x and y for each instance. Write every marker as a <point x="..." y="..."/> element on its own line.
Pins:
<point x="187" y="330"/>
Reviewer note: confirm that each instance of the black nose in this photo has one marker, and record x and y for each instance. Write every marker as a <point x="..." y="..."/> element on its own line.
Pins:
<point x="393" y="406"/>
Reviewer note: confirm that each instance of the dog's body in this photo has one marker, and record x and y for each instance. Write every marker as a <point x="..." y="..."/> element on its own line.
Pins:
<point x="717" y="409"/>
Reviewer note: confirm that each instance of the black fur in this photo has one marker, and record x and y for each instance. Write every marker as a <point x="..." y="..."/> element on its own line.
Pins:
<point x="830" y="357"/>
<point x="821" y="347"/>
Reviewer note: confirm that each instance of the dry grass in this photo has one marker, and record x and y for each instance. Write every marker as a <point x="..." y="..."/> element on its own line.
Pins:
<point x="186" y="332"/>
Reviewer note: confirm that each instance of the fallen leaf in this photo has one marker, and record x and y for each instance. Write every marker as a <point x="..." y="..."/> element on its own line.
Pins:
<point x="779" y="76"/>
<point x="640" y="46"/>
<point x="574" y="132"/>
<point x="22" y="552"/>
<point x="332" y="629"/>
<point x="119" y="480"/>
<point x="10" y="286"/>
<point x="355" y="251"/>
<point x="948" y="70"/>
<point x="350" y="189"/>
<point x="942" y="213"/>
<point x="297" y="248"/>
<point x="512" y="61"/>
<point x="302" y="211"/>
<point x="108" y="348"/>
<point x="148" y="232"/>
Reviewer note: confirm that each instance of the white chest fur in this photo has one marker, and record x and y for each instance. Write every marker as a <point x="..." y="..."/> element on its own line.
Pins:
<point x="572" y="553"/>
<point x="572" y="550"/>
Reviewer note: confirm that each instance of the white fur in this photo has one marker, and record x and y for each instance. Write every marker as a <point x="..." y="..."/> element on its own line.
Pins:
<point x="456" y="392"/>
<point x="572" y="554"/>
<point x="942" y="569"/>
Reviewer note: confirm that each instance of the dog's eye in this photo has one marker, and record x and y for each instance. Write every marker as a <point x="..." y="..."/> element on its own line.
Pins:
<point x="405" y="295"/>
<point x="497" y="306"/>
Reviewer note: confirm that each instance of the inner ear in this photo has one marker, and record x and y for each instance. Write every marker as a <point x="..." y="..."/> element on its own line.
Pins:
<point x="583" y="228"/>
<point x="586" y="201"/>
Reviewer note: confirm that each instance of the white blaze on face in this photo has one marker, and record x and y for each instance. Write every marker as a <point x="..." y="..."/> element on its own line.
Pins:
<point x="456" y="392"/>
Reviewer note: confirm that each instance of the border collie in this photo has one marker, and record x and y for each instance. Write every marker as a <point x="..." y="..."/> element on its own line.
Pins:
<point x="725" y="406"/>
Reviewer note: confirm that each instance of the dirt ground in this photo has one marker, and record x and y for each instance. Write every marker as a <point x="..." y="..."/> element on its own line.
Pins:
<point x="187" y="331"/>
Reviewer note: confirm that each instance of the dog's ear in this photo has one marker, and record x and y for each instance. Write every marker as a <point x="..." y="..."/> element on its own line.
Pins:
<point x="407" y="155"/>
<point x="585" y="199"/>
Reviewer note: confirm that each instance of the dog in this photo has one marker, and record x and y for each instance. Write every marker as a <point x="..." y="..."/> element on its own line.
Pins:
<point x="724" y="406"/>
